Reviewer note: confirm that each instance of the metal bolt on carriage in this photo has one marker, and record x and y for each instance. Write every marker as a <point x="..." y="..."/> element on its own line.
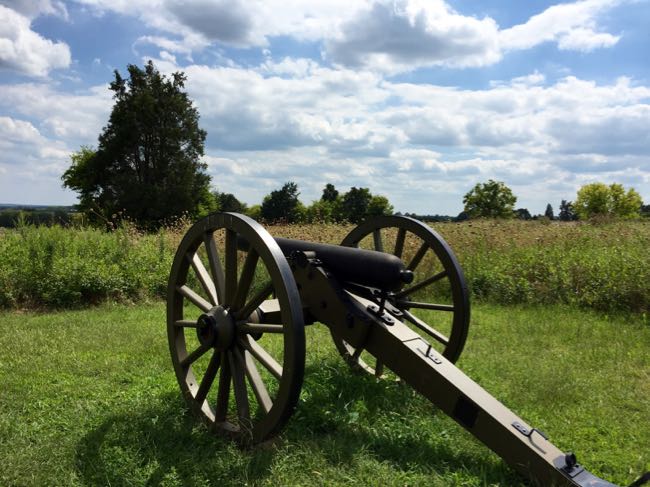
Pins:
<point x="239" y="301"/>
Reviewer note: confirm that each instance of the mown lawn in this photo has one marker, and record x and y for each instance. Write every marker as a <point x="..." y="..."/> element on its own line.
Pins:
<point x="89" y="398"/>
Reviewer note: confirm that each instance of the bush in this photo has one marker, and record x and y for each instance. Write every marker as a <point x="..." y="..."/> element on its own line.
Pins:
<point x="63" y="267"/>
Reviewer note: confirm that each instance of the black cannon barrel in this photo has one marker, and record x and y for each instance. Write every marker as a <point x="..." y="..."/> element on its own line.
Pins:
<point x="349" y="264"/>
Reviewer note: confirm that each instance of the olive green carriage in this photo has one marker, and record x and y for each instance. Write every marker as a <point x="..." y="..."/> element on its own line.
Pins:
<point x="239" y="300"/>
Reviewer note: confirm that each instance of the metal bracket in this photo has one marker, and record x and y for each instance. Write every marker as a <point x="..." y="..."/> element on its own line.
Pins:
<point x="526" y="432"/>
<point x="379" y="312"/>
<point x="427" y="353"/>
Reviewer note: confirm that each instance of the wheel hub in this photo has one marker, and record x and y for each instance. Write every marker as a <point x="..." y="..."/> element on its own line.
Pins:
<point x="216" y="328"/>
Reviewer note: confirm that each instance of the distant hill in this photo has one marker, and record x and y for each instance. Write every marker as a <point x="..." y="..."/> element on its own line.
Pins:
<point x="14" y="206"/>
<point x="12" y="213"/>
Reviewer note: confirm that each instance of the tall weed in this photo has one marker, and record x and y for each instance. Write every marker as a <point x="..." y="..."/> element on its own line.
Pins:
<point x="65" y="267"/>
<point x="604" y="266"/>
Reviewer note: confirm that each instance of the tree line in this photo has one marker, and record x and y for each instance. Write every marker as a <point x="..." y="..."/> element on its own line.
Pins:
<point x="283" y="205"/>
<point x="494" y="199"/>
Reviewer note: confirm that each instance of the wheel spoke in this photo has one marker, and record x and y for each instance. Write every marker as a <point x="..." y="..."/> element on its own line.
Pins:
<point x="255" y="302"/>
<point x="186" y="324"/>
<point x="198" y="300"/>
<point x="422" y="284"/>
<point x="203" y="276"/>
<point x="231" y="266"/>
<point x="376" y="237"/>
<point x="262" y="356"/>
<point x="399" y="243"/>
<point x="241" y="393"/>
<point x="208" y="377"/>
<point x="215" y="265"/>
<point x="357" y="354"/>
<point x="432" y="306"/>
<point x="426" y="328"/>
<point x="419" y="255"/>
<point x="221" y="408"/>
<point x="194" y="356"/>
<point x="260" y="328"/>
<point x="379" y="368"/>
<point x="256" y="382"/>
<point x="246" y="279"/>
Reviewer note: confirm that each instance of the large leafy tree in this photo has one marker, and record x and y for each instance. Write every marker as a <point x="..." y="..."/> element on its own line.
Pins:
<point x="330" y="193"/>
<point x="492" y="199"/>
<point x="355" y="204"/>
<point x="598" y="199"/>
<point x="282" y="204"/>
<point x="379" y="205"/>
<point x="229" y="202"/>
<point x="147" y="163"/>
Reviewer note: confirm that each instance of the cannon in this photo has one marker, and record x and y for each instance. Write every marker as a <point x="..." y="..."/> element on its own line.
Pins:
<point x="394" y="299"/>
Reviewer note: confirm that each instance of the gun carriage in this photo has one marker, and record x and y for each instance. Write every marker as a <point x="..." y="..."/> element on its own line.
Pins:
<point x="239" y="301"/>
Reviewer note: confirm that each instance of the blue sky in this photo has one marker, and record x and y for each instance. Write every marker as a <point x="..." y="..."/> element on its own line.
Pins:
<point x="416" y="99"/>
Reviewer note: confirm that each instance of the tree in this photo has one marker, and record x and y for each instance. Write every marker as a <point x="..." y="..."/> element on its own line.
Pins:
<point x="282" y="204"/>
<point x="354" y="204"/>
<point x="378" y="206"/>
<point x="148" y="159"/>
<point x="490" y="200"/>
<point x="549" y="212"/>
<point x="645" y="210"/>
<point x="598" y="199"/>
<point x="320" y="211"/>
<point x="330" y="193"/>
<point x="523" y="214"/>
<point x="625" y="204"/>
<point x="228" y="202"/>
<point x="567" y="212"/>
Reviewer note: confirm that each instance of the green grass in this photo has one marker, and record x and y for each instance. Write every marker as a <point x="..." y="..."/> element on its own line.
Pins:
<point x="89" y="398"/>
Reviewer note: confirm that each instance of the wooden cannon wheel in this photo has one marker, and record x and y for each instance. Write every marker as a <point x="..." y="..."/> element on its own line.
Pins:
<point x="435" y="304"/>
<point x="238" y="369"/>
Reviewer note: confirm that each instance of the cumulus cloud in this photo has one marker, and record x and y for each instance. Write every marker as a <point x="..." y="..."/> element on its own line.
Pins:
<point x="17" y="132"/>
<point x="572" y="25"/>
<point x="225" y="21"/>
<point x="396" y="36"/>
<point x="25" y="51"/>
<point x="384" y="35"/>
<point x="44" y="126"/>
<point x="34" y="8"/>
<point x="75" y="117"/>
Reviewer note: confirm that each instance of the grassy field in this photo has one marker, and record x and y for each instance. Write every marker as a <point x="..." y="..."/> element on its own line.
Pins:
<point x="604" y="267"/>
<point x="89" y="398"/>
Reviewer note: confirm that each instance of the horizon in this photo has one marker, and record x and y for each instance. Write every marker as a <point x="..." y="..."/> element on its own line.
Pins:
<point x="543" y="96"/>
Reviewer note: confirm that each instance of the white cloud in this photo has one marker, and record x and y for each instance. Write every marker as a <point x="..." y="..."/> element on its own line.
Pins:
<point x="33" y="8"/>
<point x="571" y="25"/>
<point x="31" y="159"/>
<point x="25" y="51"/>
<point x="383" y="35"/>
<point x="17" y="131"/>
<point x="74" y="117"/>
<point x="402" y="35"/>
<point x="582" y="39"/>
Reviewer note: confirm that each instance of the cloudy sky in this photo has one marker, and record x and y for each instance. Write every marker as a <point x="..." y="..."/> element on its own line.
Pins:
<point x="416" y="99"/>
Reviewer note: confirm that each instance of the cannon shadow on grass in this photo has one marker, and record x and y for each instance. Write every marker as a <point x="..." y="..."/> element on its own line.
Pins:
<point x="343" y="419"/>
